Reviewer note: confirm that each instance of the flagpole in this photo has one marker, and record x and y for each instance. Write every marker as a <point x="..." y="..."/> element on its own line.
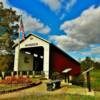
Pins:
<point x="21" y="29"/>
<point x="19" y="46"/>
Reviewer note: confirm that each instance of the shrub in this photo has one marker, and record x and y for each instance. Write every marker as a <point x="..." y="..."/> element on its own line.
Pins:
<point x="6" y="62"/>
<point x="78" y="80"/>
<point x="55" y="75"/>
<point x="0" y="78"/>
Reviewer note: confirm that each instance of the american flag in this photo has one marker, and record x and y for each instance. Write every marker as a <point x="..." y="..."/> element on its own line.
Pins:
<point x="22" y="29"/>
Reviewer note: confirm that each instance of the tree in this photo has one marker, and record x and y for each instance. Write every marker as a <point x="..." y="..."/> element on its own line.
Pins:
<point x="8" y="28"/>
<point x="87" y="63"/>
<point x="8" y="18"/>
<point x="6" y="62"/>
<point x="97" y="65"/>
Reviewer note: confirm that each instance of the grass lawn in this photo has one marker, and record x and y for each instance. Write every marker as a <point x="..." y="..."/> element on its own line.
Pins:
<point x="95" y="80"/>
<point x="9" y="87"/>
<point x="56" y="97"/>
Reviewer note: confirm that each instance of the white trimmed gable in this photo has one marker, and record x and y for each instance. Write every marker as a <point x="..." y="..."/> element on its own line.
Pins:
<point x="33" y="41"/>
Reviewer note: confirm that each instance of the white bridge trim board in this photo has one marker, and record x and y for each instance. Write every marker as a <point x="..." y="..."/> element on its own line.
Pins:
<point x="66" y="70"/>
<point x="88" y="70"/>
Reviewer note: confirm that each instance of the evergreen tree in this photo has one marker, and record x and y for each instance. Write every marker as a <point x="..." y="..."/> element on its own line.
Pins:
<point x="8" y="28"/>
<point x="87" y="63"/>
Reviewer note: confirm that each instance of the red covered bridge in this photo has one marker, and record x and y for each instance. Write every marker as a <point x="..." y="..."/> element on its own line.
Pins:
<point x="37" y="54"/>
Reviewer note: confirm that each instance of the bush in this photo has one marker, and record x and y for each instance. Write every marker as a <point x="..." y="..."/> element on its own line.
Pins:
<point x="55" y="75"/>
<point x="0" y="78"/>
<point x="78" y="80"/>
<point x="7" y="73"/>
<point x="6" y="62"/>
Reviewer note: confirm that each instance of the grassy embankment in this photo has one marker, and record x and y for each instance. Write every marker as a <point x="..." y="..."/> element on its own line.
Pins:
<point x="95" y="81"/>
<point x="56" y="97"/>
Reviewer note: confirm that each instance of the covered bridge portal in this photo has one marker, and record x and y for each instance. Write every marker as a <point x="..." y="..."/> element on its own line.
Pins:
<point x="37" y="54"/>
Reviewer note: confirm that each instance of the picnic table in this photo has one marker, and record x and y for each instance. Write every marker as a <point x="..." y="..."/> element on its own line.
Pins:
<point x="52" y="85"/>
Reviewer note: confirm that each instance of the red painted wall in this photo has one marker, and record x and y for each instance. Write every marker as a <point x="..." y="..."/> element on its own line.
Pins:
<point x="61" y="61"/>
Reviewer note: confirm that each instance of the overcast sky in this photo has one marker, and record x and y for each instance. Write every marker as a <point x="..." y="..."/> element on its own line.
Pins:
<point x="73" y="25"/>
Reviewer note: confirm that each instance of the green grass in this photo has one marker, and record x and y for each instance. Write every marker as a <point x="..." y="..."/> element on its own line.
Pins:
<point x="55" y="97"/>
<point x="9" y="87"/>
<point x="95" y="79"/>
<point x="95" y="82"/>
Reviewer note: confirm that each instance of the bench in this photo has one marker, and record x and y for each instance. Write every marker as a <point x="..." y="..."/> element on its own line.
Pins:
<point x="53" y="85"/>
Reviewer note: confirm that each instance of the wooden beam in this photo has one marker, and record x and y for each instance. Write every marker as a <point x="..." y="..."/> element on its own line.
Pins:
<point x="68" y="77"/>
<point x="88" y="70"/>
<point x="88" y="81"/>
<point x="65" y="77"/>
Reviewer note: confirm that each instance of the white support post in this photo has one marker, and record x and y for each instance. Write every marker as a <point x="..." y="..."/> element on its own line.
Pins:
<point x="17" y="73"/>
<point x="12" y="74"/>
<point x="33" y="73"/>
<point x="3" y="75"/>
<point x="20" y="73"/>
<point x="27" y="73"/>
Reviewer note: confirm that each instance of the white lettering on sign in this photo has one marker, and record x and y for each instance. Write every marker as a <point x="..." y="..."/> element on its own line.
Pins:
<point x="32" y="44"/>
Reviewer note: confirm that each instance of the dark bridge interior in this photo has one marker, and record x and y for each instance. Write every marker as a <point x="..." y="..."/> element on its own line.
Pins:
<point x="38" y="57"/>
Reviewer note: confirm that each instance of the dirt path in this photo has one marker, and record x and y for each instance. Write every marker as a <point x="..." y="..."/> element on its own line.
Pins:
<point x="41" y="89"/>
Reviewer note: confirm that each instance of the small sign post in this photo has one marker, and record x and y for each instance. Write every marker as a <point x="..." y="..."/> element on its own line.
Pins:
<point x="68" y="77"/>
<point x="87" y="72"/>
<point x="88" y="81"/>
<point x="66" y="72"/>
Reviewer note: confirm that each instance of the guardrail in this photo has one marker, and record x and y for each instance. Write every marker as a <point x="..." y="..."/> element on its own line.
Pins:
<point x="21" y="73"/>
